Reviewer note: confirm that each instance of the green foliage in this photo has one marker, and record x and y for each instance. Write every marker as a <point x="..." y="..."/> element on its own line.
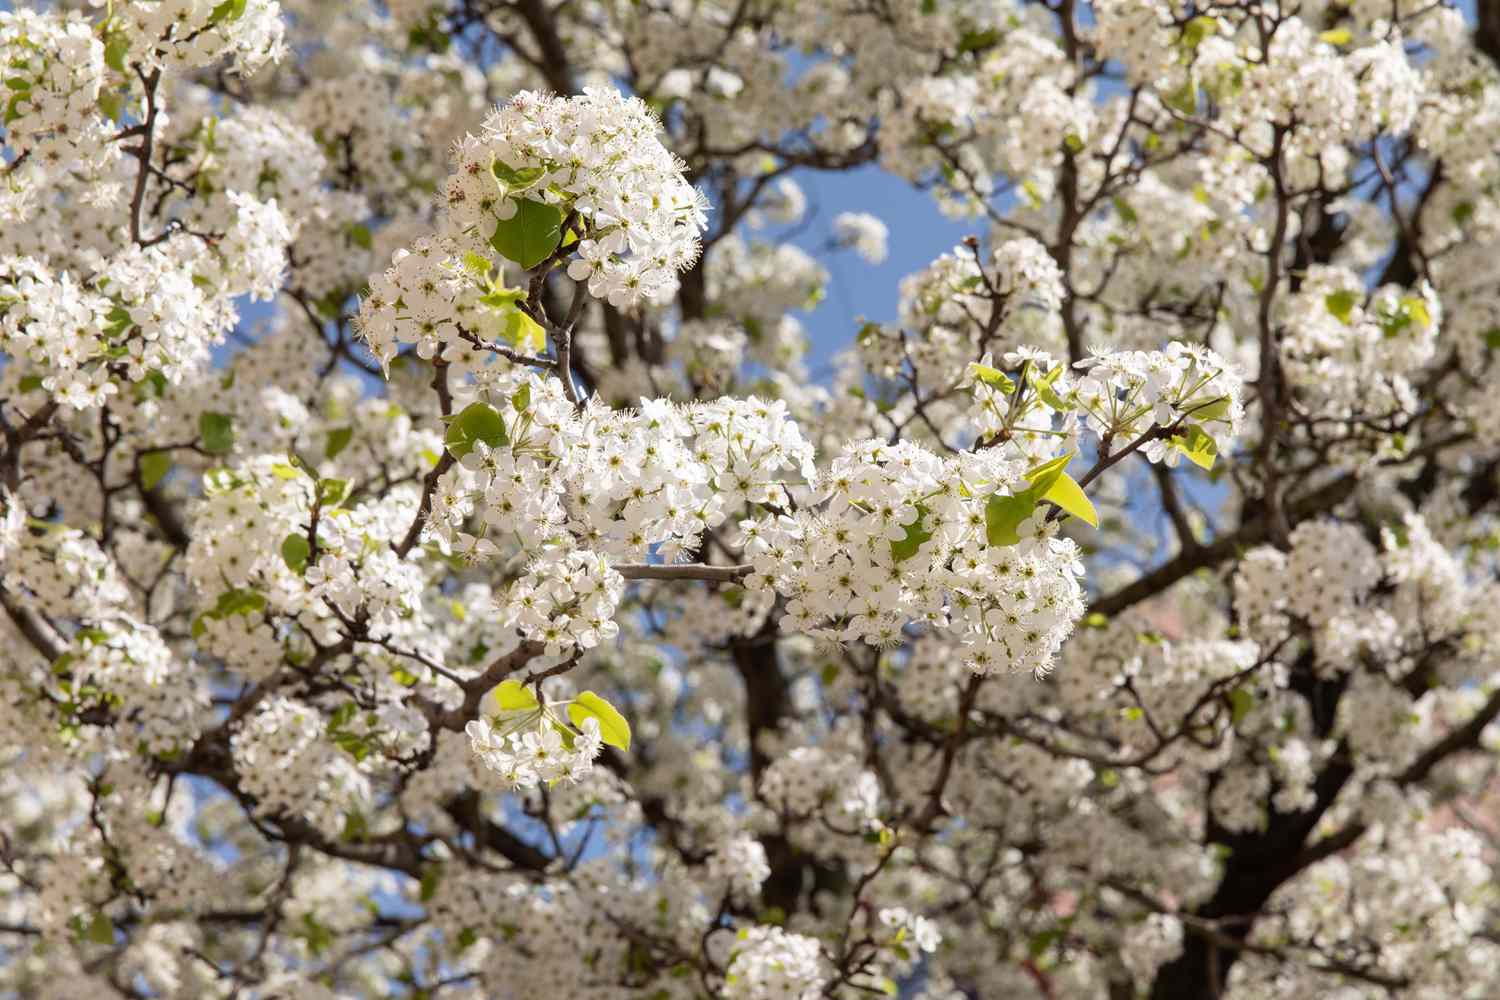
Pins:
<point x="229" y="10"/>
<point x="338" y="440"/>
<point x="1197" y="444"/>
<point x="476" y="422"/>
<point x="613" y="728"/>
<point x="295" y="551"/>
<point x="216" y="433"/>
<point x="529" y="236"/>
<point x="916" y="534"/>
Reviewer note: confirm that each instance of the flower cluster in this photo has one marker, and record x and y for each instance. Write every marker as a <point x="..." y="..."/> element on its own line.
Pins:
<point x="906" y="536"/>
<point x="597" y="160"/>
<point x="768" y="963"/>
<point x="181" y="35"/>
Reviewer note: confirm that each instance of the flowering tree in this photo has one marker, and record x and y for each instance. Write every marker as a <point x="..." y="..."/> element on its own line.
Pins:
<point x="501" y="609"/>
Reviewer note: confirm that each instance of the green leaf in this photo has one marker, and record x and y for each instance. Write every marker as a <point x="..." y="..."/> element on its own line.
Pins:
<point x="1003" y="515"/>
<point x="1341" y="305"/>
<point x="1198" y="445"/>
<point x="111" y="104"/>
<point x="331" y="491"/>
<point x="1125" y="212"/>
<point x="229" y="10"/>
<point x="1196" y="30"/>
<point x="529" y="236"/>
<point x="992" y="376"/>
<point x="1184" y="98"/>
<point x="1068" y="495"/>
<point x="30" y="383"/>
<point x="1241" y="700"/>
<point x="523" y="332"/>
<point x="477" y="422"/>
<point x="283" y="470"/>
<point x="117" y="321"/>
<point x="1218" y="409"/>
<point x="509" y="696"/>
<point x="973" y="41"/>
<point x="216" y="430"/>
<point x="1492" y="338"/>
<point x="916" y="534"/>
<point x="1043" y="386"/>
<point x="521" y="398"/>
<point x="294" y="552"/>
<point x="512" y="179"/>
<point x="360" y="236"/>
<point x="1043" y="476"/>
<point x="612" y="725"/>
<point x="115" y="48"/>
<point x="1336" y="36"/>
<point x="338" y="440"/>
<point x="154" y="467"/>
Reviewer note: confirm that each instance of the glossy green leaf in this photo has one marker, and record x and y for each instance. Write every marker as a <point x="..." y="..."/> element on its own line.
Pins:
<point x="477" y="422"/>
<point x="294" y="552"/>
<point x="1004" y="514"/>
<point x="916" y="534"/>
<point x="1198" y="445"/>
<point x="509" y="696"/>
<point x="1068" y="495"/>
<point x="613" y="728"/>
<point x="529" y="236"/>
<point x="512" y="179"/>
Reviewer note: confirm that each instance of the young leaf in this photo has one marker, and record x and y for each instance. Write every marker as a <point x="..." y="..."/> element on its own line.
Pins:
<point x="331" y="491"/>
<point x="612" y="725"/>
<point x="154" y="467"/>
<point x="1068" y="495"/>
<point x="338" y="440"/>
<point x="1218" y="409"/>
<point x="115" y="47"/>
<point x="508" y="696"/>
<point x="229" y="10"/>
<point x="523" y="332"/>
<point x="916" y="534"/>
<point x="1341" y="305"/>
<point x="1043" y="476"/>
<point x="477" y="422"/>
<point x="992" y="376"/>
<point x="1003" y="515"/>
<point x="294" y="552"/>
<point x="1198" y="445"/>
<point x="217" y="432"/>
<point x="512" y="179"/>
<point x="529" y="236"/>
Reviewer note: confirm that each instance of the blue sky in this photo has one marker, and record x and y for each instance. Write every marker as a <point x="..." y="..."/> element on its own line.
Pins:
<point x="918" y="233"/>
